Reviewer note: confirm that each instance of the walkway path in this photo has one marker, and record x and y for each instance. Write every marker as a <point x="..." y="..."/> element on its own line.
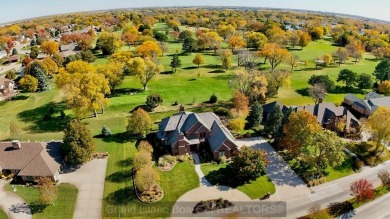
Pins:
<point x="89" y="180"/>
<point x="205" y="192"/>
<point x="13" y="205"/>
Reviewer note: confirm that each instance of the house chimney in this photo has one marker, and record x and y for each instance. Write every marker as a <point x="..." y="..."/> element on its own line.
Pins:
<point x="181" y="108"/>
<point x="16" y="144"/>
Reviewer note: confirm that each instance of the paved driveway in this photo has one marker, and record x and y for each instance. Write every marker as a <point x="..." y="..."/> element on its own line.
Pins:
<point x="206" y="191"/>
<point x="89" y="180"/>
<point x="288" y="183"/>
<point x="13" y="205"/>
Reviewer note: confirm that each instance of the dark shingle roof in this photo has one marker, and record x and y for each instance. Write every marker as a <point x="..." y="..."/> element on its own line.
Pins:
<point x="372" y="95"/>
<point x="352" y="98"/>
<point x="218" y="136"/>
<point x="267" y="108"/>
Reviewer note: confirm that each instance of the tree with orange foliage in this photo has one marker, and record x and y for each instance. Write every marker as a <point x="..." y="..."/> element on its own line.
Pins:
<point x="50" y="48"/>
<point x="362" y="190"/>
<point x="129" y="38"/>
<point x="149" y="49"/>
<point x="298" y="131"/>
<point x="275" y="54"/>
<point x="47" y="190"/>
<point x="236" y="42"/>
<point x="240" y="103"/>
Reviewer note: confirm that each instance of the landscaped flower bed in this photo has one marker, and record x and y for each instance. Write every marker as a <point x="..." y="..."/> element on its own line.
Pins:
<point x="155" y="194"/>
<point x="166" y="162"/>
<point x="211" y="205"/>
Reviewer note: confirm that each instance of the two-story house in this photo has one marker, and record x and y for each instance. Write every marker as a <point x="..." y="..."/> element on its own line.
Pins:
<point x="187" y="132"/>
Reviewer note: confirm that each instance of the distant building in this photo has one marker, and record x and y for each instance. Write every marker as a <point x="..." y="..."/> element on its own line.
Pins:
<point x="187" y="132"/>
<point x="14" y="58"/>
<point x="6" y="88"/>
<point x="3" y="54"/>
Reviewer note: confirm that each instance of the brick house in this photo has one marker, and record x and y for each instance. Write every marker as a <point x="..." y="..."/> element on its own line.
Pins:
<point x="187" y="132"/>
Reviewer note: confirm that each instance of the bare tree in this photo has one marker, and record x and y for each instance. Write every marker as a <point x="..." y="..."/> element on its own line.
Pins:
<point x="318" y="92"/>
<point x="246" y="58"/>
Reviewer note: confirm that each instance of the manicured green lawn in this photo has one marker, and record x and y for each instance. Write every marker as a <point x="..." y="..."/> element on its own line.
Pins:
<point x="343" y="170"/>
<point x="255" y="189"/>
<point x="63" y="207"/>
<point x="3" y="215"/>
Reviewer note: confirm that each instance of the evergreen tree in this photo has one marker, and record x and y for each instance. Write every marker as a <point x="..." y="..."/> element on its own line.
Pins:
<point x="279" y="134"/>
<point x="273" y="122"/>
<point x="78" y="143"/>
<point x="14" y="51"/>
<point x="255" y="115"/>
<point x="175" y="63"/>
<point x="39" y="72"/>
<point x="189" y="45"/>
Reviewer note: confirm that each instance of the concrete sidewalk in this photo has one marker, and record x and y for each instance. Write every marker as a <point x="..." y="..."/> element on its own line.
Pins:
<point x="89" y="180"/>
<point x="13" y="205"/>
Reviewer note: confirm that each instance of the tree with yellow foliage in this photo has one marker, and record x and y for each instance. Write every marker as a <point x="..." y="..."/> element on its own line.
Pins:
<point x="113" y="72"/>
<point x="84" y="89"/>
<point x="275" y="54"/>
<point x="384" y="88"/>
<point x="149" y="49"/>
<point x="109" y="42"/>
<point x="236" y="42"/>
<point x="50" y="65"/>
<point x="144" y="69"/>
<point x="198" y="60"/>
<point x="378" y="125"/>
<point x="49" y="47"/>
<point x="240" y="103"/>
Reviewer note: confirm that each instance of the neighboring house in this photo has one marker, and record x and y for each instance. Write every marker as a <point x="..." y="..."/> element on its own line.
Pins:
<point x="7" y="87"/>
<point x="3" y="54"/>
<point x="187" y="132"/>
<point x="14" y="58"/>
<point x="368" y="106"/>
<point x="328" y="115"/>
<point x="267" y="108"/>
<point x="28" y="160"/>
<point x="68" y="50"/>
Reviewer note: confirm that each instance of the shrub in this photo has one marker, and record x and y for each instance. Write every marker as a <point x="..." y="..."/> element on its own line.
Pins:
<point x="145" y="146"/>
<point x="222" y="159"/>
<point x="213" y="99"/>
<point x="185" y="158"/>
<point x="106" y="131"/>
<point x="169" y="158"/>
<point x="221" y="111"/>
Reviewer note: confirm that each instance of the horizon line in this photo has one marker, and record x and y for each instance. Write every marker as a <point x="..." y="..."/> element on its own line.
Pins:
<point x="204" y="6"/>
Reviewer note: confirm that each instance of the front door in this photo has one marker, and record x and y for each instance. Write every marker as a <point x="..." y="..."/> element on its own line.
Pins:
<point x="194" y="148"/>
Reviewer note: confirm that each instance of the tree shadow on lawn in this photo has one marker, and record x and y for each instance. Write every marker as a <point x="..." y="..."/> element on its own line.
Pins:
<point x="125" y="91"/>
<point x="125" y="163"/>
<point x="190" y="67"/>
<point x="303" y="91"/>
<point x="37" y="207"/>
<point x="217" y="71"/>
<point x="119" y="138"/>
<point x="19" y="97"/>
<point x="121" y="196"/>
<point x="42" y="121"/>
<point x="120" y="176"/>
<point x="373" y="59"/>
<point x="224" y="176"/>
<point x="224" y="77"/>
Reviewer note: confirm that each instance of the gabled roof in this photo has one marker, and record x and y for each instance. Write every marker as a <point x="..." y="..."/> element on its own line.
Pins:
<point x="32" y="159"/>
<point x="267" y="108"/>
<point x="218" y="136"/>
<point x="324" y="111"/>
<point x="372" y="95"/>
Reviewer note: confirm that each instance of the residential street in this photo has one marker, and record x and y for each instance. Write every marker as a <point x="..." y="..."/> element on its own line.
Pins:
<point x="378" y="209"/>
<point x="299" y="198"/>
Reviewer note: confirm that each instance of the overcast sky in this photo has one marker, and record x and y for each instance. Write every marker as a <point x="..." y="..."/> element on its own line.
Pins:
<point x="21" y="9"/>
